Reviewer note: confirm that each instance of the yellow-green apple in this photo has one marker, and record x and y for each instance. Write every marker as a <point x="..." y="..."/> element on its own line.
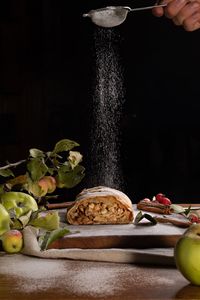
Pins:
<point x="4" y="220"/>
<point x="187" y="254"/>
<point x="19" y="202"/>
<point x="45" y="185"/>
<point x="12" y="241"/>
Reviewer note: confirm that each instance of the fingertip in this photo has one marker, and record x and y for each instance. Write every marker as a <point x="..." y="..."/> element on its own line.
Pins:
<point x="158" y="11"/>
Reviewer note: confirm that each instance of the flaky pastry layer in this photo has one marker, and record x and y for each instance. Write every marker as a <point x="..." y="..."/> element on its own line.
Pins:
<point x="101" y="205"/>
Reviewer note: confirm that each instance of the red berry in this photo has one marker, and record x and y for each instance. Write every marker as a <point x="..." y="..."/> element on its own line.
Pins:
<point x="159" y="197"/>
<point x="194" y="218"/>
<point x="162" y="199"/>
<point x="165" y="201"/>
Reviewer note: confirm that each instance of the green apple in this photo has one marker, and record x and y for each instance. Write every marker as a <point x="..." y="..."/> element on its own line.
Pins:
<point x="12" y="241"/>
<point x="187" y="254"/>
<point x="4" y="220"/>
<point x="19" y="202"/>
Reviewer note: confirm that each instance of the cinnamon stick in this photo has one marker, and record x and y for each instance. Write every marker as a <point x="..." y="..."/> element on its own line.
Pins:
<point x="59" y="205"/>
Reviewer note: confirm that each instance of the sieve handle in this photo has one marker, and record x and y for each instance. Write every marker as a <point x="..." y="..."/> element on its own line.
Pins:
<point x="147" y="7"/>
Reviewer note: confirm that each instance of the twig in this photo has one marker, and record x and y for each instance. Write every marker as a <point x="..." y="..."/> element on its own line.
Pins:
<point x="13" y="164"/>
<point x="183" y="224"/>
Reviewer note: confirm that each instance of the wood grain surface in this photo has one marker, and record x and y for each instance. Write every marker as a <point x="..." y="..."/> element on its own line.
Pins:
<point x="29" y="278"/>
<point x="143" y="235"/>
<point x="116" y="241"/>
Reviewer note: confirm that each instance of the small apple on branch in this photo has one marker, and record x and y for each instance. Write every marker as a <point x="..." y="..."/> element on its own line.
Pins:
<point x="45" y="171"/>
<point x="22" y="196"/>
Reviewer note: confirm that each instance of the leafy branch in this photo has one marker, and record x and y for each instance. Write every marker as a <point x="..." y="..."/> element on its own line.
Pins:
<point x="45" y="171"/>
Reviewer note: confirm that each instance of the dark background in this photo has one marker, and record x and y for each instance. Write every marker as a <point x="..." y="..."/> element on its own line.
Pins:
<point x="46" y="77"/>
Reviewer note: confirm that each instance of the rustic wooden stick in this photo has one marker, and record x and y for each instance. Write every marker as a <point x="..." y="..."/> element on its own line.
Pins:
<point x="183" y="224"/>
<point x="189" y="204"/>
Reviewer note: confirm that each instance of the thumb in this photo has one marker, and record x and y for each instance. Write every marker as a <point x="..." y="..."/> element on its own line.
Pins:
<point x="159" y="11"/>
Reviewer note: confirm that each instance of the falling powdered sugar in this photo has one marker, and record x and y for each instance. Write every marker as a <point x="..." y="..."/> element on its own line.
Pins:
<point x="108" y="99"/>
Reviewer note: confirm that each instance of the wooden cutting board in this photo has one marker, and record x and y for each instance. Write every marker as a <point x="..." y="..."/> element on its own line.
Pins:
<point x="143" y="235"/>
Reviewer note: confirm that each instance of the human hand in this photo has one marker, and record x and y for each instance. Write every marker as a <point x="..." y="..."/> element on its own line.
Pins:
<point x="182" y="12"/>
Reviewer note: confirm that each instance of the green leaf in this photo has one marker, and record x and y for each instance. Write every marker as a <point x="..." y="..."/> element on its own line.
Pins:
<point x="2" y="188"/>
<point x="16" y="224"/>
<point x="6" y="173"/>
<point x="37" y="169"/>
<point x="64" y="145"/>
<point x="36" y="153"/>
<point x="34" y="189"/>
<point x="21" y="222"/>
<point x="69" y="178"/>
<point x="56" y="163"/>
<point x="66" y="167"/>
<point x="187" y="210"/>
<point x="138" y="217"/>
<point x="48" y="220"/>
<point x="24" y="219"/>
<point x="51" y="171"/>
<point x="177" y="209"/>
<point x="150" y="218"/>
<point x="141" y="216"/>
<point x="52" y="236"/>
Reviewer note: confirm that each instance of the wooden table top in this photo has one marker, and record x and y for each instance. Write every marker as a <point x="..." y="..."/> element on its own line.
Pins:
<point x="24" y="277"/>
<point x="30" y="278"/>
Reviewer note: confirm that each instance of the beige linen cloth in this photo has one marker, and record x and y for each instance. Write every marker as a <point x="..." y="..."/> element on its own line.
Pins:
<point x="156" y="256"/>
